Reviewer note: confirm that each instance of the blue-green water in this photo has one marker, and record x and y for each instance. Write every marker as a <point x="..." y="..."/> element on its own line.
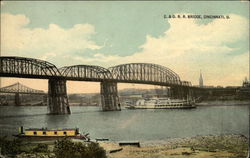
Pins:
<point x="221" y="118"/>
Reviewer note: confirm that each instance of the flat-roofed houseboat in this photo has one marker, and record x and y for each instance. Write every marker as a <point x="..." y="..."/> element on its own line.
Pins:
<point x="44" y="133"/>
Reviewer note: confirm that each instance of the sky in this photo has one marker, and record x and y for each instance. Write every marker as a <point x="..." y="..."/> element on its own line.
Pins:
<point x="112" y="33"/>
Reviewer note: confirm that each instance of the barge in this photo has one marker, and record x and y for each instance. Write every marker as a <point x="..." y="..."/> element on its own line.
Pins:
<point x="50" y="134"/>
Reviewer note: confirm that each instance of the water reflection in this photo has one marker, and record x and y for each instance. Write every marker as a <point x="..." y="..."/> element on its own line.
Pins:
<point x="56" y="121"/>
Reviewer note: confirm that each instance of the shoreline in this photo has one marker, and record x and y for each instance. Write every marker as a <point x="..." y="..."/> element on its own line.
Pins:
<point x="229" y="145"/>
<point x="200" y="146"/>
<point x="221" y="103"/>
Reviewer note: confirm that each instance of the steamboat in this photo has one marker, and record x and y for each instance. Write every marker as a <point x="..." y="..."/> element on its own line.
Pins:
<point x="162" y="103"/>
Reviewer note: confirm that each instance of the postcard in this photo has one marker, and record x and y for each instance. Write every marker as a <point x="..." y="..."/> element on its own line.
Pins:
<point x="123" y="79"/>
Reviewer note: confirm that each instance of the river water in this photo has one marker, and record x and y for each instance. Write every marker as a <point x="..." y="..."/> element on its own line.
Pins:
<point x="212" y="118"/>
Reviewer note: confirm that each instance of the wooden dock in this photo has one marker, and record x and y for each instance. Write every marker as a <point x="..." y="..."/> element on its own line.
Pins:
<point x="136" y="143"/>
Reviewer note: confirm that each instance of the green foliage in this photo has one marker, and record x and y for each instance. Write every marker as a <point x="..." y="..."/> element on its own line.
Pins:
<point x="41" y="148"/>
<point x="65" y="148"/>
<point x="10" y="147"/>
<point x="95" y="151"/>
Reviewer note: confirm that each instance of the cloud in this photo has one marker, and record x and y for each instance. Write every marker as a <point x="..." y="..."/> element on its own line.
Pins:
<point x="187" y="46"/>
<point x="20" y="40"/>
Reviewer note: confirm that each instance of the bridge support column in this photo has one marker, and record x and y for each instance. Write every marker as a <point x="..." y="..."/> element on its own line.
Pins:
<point x="174" y="92"/>
<point x="109" y="96"/>
<point x="181" y="92"/>
<point x="191" y="93"/>
<point x="57" y="97"/>
<point x="45" y="99"/>
<point x="177" y="92"/>
<point x="17" y="99"/>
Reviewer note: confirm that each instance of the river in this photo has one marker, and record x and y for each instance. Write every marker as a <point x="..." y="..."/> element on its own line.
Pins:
<point x="211" y="118"/>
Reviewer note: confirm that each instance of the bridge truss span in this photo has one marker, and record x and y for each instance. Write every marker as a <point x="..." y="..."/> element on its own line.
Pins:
<point x="145" y="73"/>
<point x="86" y="73"/>
<point x="141" y="73"/>
<point x="27" y="67"/>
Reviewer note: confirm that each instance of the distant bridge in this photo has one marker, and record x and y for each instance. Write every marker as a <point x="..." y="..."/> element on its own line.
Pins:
<point x="142" y="73"/>
<point x="18" y="88"/>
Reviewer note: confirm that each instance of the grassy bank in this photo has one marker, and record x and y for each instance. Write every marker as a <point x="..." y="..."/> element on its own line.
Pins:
<point x="230" y="146"/>
<point x="63" y="148"/>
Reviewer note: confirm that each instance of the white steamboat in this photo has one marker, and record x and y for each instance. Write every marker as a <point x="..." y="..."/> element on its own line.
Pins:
<point x="162" y="103"/>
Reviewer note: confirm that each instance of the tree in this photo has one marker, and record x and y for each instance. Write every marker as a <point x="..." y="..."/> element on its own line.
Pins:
<point x="10" y="147"/>
<point x="65" y="148"/>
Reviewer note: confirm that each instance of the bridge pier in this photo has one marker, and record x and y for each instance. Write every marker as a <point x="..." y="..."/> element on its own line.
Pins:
<point x="109" y="96"/>
<point x="17" y="99"/>
<point x="180" y="92"/>
<point x="176" y="92"/>
<point x="57" y="97"/>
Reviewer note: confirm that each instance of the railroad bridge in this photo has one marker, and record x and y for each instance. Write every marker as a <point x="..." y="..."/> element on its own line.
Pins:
<point x="141" y="73"/>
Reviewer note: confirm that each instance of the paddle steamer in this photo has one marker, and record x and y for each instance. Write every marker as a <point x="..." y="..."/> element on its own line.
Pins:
<point x="162" y="103"/>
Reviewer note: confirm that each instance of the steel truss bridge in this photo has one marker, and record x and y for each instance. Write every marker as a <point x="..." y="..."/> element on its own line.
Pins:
<point x="142" y="73"/>
<point x="18" y="88"/>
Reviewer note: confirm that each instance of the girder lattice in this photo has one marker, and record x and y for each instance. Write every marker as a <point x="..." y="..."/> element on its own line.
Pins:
<point x="27" y="67"/>
<point x="146" y="73"/>
<point x="86" y="73"/>
<point x="127" y="73"/>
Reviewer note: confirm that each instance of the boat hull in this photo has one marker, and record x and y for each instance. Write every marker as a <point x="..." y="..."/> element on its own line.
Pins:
<point x="49" y="137"/>
<point x="162" y="103"/>
<point x="165" y="107"/>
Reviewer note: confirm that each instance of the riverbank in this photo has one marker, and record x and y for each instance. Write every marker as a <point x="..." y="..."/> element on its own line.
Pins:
<point x="224" y="103"/>
<point x="230" y="146"/>
<point x="196" y="147"/>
